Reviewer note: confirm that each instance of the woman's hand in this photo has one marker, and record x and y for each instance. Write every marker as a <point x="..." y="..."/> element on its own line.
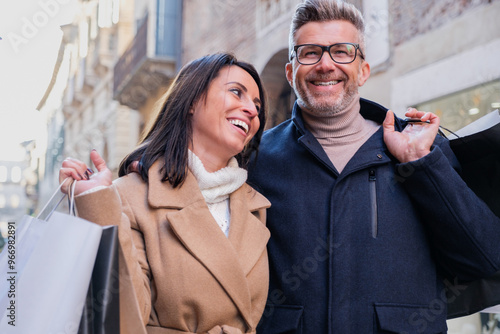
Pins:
<point x="415" y="141"/>
<point x="83" y="175"/>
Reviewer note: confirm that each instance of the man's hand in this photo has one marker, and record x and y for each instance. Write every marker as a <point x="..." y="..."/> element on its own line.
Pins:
<point x="415" y="141"/>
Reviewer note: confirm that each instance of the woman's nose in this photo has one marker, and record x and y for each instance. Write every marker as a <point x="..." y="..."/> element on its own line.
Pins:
<point x="251" y="109"/>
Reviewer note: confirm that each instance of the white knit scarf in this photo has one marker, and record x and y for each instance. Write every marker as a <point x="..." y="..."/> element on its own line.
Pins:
<point x="217" y="186"/>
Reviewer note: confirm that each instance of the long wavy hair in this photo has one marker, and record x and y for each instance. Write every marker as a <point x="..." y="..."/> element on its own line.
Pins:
<point x="171" y="133"/>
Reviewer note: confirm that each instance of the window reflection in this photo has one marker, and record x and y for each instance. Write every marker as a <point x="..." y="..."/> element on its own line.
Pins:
<point x="462" y="108"/>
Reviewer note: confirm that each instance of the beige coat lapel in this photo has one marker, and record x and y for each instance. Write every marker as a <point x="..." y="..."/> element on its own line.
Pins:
<point x="162" y="195"/>
<point x="247" y="233"/>
<point x="228" y="260"/>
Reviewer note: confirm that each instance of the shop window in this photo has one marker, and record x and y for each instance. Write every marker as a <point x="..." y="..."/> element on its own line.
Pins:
<point x="16" y="174"/>
<point x="14" y="201"/>
<point x="462" y="108"/>
<point x="3" y="174"/>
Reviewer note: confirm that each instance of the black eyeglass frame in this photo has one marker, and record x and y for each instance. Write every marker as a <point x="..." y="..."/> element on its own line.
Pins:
<point x="327" y="49"/>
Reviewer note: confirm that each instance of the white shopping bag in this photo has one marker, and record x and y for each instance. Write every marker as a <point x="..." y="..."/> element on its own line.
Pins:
<point x="46" y="268"/>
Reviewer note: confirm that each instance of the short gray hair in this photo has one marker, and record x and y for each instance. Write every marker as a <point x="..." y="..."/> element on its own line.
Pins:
<point x="326" y="10"/>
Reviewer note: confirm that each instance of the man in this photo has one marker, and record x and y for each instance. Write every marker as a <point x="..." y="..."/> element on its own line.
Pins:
<point x="370" y="222"/>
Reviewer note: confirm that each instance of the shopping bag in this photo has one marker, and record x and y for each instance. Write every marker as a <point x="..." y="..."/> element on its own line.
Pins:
<point x="478" y="296"/>
<point x="477" y="147"/>
<point x="47" y="264"/>
<point x="101" y="313"/>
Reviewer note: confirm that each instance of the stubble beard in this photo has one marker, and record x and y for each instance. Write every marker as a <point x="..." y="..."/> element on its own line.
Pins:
<point x="324" y="104"/>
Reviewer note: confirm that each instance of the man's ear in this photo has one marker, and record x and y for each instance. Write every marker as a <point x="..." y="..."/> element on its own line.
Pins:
<point x="364" y="73"/>
<point x="289" y="73"/>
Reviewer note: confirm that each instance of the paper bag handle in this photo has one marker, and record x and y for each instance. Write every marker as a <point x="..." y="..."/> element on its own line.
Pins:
<point x="70" y="195"/>
<point x="445" y="136"/>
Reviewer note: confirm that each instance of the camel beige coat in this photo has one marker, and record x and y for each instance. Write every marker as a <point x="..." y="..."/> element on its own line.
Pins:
<point x="179" y="273"/>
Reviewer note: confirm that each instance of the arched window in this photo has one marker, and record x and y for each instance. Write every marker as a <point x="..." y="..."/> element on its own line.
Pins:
<point x="3" y="173"/>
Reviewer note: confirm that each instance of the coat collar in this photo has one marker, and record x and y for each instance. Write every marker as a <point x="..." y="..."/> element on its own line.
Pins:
<point x="372" y="152"/>
<point x="162" y="195"/>
<point x="228" y="259"/>
<point x="369" y="110"/>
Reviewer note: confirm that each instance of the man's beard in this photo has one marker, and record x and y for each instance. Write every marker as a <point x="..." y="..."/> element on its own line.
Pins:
<point x="324" y="104"/>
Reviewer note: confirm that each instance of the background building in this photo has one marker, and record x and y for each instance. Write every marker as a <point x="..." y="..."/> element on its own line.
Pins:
<point x="14" y="200"/>
<point x="115" y="61"/>
<point x="92" y="118"/>
<point x="437" y="55"/>
<point x="152" y="59"/>
<point x="78" y="105"/>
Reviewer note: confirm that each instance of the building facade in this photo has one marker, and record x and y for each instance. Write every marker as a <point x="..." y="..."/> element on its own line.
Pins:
<point x="78" y="105"/>
<point x="151" y="60"/>
<point x="420" y="52"/>
<point x="14" y="199"/>
<point x="92" y="118"/>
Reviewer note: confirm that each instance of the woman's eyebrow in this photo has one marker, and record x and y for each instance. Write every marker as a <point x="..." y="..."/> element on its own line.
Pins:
<point x="243" y="88"/>
<point x="239" y="84"/>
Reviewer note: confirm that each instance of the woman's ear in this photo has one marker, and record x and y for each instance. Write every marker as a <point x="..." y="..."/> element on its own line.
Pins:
<point x="194" y="105"/>
<point x="191" y="108"/>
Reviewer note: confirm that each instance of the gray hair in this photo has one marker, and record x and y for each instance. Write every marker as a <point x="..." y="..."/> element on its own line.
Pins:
<point x="326" y="10"/>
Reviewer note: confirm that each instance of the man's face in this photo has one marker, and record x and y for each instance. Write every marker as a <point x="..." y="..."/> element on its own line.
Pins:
<point x="326" y="88"/>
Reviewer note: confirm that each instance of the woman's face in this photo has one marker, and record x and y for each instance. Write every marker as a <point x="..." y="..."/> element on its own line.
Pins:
<point x="227" y="119"/>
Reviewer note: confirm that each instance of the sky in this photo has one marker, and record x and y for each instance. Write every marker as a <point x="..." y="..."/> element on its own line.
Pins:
<point x="31" y="35"/>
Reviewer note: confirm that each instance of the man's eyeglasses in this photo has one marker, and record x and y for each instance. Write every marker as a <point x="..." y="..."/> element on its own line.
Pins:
<point x="341" y="53"/>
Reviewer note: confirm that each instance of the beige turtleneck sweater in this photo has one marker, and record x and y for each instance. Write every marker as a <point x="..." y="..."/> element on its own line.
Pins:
<point x="342" y="134"/>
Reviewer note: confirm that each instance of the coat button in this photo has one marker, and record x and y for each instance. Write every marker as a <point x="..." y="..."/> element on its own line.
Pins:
<point x="379" y="156"/>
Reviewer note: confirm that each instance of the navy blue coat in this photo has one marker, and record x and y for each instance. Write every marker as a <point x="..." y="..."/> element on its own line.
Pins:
<point x="370" y="250"/>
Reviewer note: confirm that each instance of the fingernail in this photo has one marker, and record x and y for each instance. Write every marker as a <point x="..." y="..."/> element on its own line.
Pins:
<point x="81" y="177"/>
<point x="94" y="149"/>
<point x="90" y="171"/>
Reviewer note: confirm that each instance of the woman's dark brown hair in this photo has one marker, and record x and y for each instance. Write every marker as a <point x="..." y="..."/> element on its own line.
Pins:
<point x="171" y="133"/>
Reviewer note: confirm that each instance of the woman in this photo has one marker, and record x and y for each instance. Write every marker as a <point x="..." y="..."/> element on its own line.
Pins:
<point x="192" y="232"/>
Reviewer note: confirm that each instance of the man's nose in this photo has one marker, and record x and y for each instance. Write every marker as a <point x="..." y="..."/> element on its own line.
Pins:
<point x="326" y="62"/>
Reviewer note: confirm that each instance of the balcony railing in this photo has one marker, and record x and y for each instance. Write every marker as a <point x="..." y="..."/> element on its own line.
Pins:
<point x="131" y="59"/>
<point x="144" y="67"/>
